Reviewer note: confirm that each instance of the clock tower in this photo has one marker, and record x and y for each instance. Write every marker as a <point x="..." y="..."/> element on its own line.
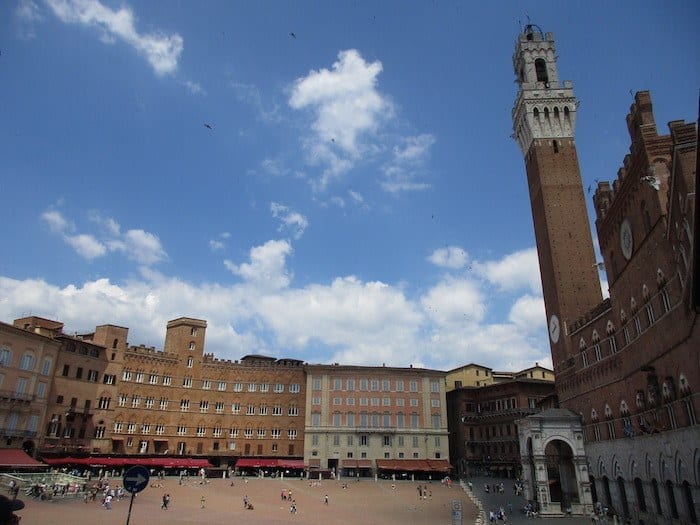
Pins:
<point x="544" y="118"/>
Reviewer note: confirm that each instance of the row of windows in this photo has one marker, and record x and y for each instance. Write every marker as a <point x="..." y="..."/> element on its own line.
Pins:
<point x="375" y="385"/>
<point x="11" y="421"/>
<point x="374" y="420"/>
<point x="374" y="401"/>
<point x="219" y="407"/>
<point x="365" y="440"/>
<point x="202" y="431"/>
<point x="82" y="349"/>
<point x="645" y="423"/>
<point x="208" y="384"/>
<point x="92" y="375"/>
<point x="21" y="386"/>
<point x="27" y="362"/>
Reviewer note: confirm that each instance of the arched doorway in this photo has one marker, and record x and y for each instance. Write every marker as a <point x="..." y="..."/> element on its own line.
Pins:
<point x="554" y="463"/>
<point x="561" y="474"/>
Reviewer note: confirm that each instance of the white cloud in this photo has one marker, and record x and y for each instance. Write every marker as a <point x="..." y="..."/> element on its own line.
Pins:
<point x="267" y="266"/>
<point x="347" y="320"/>
<point x="528" y="313"/>
<point x="366" y="322"/>
<point x="137" y="245"/>
<point x="346" y="105"/>
<point x="28" y="10"/>
<point x="452" y="257"/>
<point x="455" y="302"/>
<point x="27" y="14"/>
<point x="142" y="247"/>
<point x="216" y="245"/>
<point x="291" y="221"/>
<point x="194" y="87"/>
<point x="356" y="197"/>
<point x="56" y="222"/>
<point x="515" y="271"/>
<point x="162" y="51"/>
<point x="408" y="164"/>
<point x="273" y="167"/>
<point x="86" y="246"/>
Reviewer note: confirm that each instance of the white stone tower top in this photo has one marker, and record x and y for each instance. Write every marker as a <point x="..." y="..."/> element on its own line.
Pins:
<point x="545" y="108"/>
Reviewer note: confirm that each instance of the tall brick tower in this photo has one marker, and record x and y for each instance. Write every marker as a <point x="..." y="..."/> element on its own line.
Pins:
<point x="544" y="117"/>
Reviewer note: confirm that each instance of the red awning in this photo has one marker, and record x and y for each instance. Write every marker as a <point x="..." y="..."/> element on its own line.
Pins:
<point x="18" y="458"/>
<point x="408" y="465"/>
<point x="386" y="464"/>
<point x="314" y="463"/>
<point x="364" y="463"/>
<point x="291" y="463"/>
<point x="257" y="463"/>
<point x="349" y="463"/>
<point x="439" y="465"/>
<point x="133" y="460"/>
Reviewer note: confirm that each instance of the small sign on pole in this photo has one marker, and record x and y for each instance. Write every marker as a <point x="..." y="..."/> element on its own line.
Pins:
<point x="456" y="512"/>
<point x="135" y="480"/>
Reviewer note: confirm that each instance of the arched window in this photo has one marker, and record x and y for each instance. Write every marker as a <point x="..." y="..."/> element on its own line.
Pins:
<point x="536" y="113"/>
<point x="623" y="496"/>
<point x="5" y="356"/>
<point x="541" y="70"/>
<point x="639" y="490"/>
<point x="46" y="366"/>
<point x="555" y="146"/>
<point x="27" y="362"/>
<point x="566" y="111"/>
<point x="671" y="495"/>
<point x="115" y="343"/>
<point x="192" y="345"/>
<point x="657" y="496"/>
<point x="556" y="112"/>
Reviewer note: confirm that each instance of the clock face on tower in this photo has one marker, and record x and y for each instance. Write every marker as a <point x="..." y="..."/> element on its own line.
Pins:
<point x="626" y="239"/>
<point x="554" y="328"/>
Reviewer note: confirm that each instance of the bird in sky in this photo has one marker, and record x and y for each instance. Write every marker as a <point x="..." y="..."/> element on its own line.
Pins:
<point x="292" y="35"/>
<point x="208" y="126"/>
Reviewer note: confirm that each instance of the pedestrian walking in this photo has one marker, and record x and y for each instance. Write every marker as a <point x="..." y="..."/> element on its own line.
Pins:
<point x="325" y="499"/>
<point x="108" y="502"/>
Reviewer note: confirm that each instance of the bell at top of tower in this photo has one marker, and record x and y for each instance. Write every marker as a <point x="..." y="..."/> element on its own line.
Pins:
<point x="544" y="107"/>
<point x="533" y="32"/>
<point x="534" y="60"/>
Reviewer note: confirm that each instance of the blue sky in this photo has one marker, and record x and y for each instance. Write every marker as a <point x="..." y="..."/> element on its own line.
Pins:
<point x="358" y="198"/>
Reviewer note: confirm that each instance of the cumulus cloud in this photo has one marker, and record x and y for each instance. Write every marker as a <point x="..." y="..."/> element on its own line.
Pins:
<point x="346" y="320"/>
<point x="345" y="105"/>
<point x="56" y="222"/>
<point x="528" y="312"/>
<point x="291" y="221"/>
<point x="86" y="246"/>
<point x="455" y="301"/>
<point x="515" y="271"/>
<point x="137" y="245"/>
<point x="140" y="246"/>
<point x="267" y="267"/>
<point x="452" y="257"/>
<point x="160" y="50"/>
